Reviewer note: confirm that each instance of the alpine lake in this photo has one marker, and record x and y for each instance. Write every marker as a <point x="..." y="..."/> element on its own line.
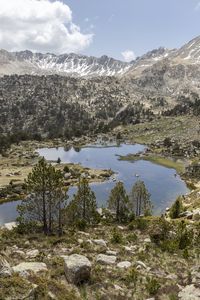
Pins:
<point x="164" y="184"/>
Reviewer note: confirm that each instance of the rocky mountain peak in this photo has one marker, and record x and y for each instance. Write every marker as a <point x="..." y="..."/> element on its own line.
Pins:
<point x="65" y="64"/>
<point x="190" y="52"/>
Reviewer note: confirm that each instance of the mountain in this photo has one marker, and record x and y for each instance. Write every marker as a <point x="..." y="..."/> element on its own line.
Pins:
<point x="60" y="105"/>
<point x="148" y="60"/>
<point x="90" y="100"/>
<point x="167" y="77"/>
<point x="29" y="63"/>
<point x="190" y="52"/>
<point x="26" y="62"/>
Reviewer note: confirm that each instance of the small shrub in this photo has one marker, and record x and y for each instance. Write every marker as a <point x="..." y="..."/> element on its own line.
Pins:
<point x="66" y="169"/>
<point x="132" y="237"/>
<point x="131" y="217"/>
<point x="173" y="296"/>
<point x="184" y="236"/>
<point x="13" y="287"/>
<point x="152" y="286"/>
<point x="117" y="237"/>
<point x="108" y="217"/>
<point x="81" y="224"/>
<point x="141" y="223"/>
<point x="185" y="253"/>
<point x="160" y="231"/>
<point x="132" y="276"/>
<point x="142" y="255"/>
<point x="170" y="246"/>
<point x="176" y="209"/>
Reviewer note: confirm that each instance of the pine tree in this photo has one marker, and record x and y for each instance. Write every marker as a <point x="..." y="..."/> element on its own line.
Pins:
<point x="46" y="199"/>
<point x="83" y="206"/>
<point x="140" y="199"/>
<point x="119" y="202"/>
<point x="176" y="208"/>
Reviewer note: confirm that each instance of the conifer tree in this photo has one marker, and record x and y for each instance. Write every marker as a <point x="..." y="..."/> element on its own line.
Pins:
<point x="176" y="208"/>
<point x="119" y="202"/>
<point x="140" y="199"/>
<point x="46" y="200"/>
<point x="83" y="206"/>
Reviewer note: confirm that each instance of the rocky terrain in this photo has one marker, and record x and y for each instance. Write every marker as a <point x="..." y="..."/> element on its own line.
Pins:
<point x="147" y="258"/>
<point x="134" y="262"/>
<point x="176" y="136"/>
<point x="62" y="106"/>
<point x="55" y="105"/>
<point x="26" y="62"/>
<point x="21" y="159"/>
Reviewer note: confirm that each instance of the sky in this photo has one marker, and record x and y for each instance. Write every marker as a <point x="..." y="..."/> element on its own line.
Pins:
<point x="123" y="29"/>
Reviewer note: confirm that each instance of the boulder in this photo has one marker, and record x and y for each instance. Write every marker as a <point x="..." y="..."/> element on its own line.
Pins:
<point x="189" y="292"/>
<point x="106" y="259"/>
<point x="25" y="267"/>
<point x="32" y="253"/>
<point x="5" y="268"/>
<point x="9" y="226"/>
<point x="124" y="265"/>
<point x="100" y="243"/>
<point x="77" y="268"/>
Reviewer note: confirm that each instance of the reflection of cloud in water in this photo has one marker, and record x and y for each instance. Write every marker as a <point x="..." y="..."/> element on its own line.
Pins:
<point x="161" y="182"/>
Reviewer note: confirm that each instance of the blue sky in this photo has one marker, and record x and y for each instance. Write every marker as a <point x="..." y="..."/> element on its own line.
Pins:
<point x="97" y="27"/>
<point x="137" y="25"/>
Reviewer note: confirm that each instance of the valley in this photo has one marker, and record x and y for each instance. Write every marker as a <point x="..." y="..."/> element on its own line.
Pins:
<point x="100" y="176"/>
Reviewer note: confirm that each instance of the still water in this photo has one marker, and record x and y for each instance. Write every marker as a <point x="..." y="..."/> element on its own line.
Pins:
<point x="163" y="186"/>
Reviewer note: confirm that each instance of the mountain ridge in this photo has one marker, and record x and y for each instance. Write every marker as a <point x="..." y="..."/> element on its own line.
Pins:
<point x="65" y="64"/>
<point x="78" y="65"/>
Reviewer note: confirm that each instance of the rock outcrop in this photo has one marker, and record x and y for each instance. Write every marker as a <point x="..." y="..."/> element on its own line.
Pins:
<point x="26" y="267"/>
<point x="77" y="268"/>
<point x="5" y="268"/>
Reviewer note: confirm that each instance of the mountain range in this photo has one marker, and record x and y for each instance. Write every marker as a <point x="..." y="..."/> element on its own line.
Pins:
<point x="27" y="62"/>
<point x="45" y="93"/>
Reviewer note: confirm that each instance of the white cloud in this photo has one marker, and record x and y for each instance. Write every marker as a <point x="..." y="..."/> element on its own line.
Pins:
<point x="128" y="55"/>
<point x="40" y="25"/>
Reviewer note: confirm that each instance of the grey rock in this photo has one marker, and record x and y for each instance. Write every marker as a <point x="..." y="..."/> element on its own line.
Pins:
<point x="124" y="265"/>
<point x="189" y="292"/>
<point x="100" y="243"/>
<point x="9" y="226"/>
<point x="106" y="259"/>
<point x="5" y="268"/>
<point x="25" y="267"/>
<point x="77" y="268"/>
<point x="32" y="253"/>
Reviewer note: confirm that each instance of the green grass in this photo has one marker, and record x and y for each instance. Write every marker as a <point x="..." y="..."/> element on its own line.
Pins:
<point x="159" y="160"/>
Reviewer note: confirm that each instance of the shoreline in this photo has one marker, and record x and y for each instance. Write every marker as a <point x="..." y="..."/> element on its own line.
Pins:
<point x="27" y="157"/>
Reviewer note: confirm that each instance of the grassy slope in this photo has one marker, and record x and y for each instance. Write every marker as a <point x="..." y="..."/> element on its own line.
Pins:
<point x="163" y="161"/>
<point x="183" y="128"/>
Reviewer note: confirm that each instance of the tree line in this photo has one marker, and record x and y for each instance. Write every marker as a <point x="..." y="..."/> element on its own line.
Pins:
<point x="47" y="206"/>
